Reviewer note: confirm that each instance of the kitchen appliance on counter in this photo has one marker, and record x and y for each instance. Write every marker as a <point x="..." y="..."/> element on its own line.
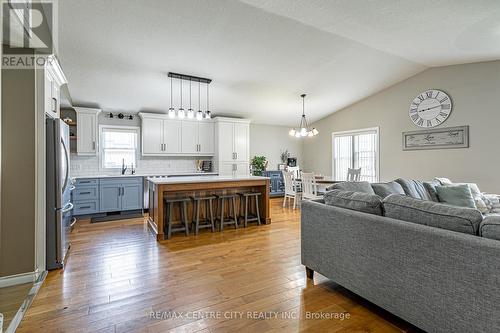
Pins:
<point x="204" y="165"/>
<point x="59" y="217"/>
<point x="292" y="162"/>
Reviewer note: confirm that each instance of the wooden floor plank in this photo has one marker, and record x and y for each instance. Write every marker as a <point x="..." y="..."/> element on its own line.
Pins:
<point x="118" y="278"/>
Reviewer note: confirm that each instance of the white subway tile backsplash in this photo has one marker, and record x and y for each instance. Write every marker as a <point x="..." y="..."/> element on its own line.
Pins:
<point x="90" y="165"/>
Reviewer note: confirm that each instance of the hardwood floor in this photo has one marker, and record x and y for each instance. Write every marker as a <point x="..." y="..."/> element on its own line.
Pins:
<point x="120" y="279"/>
<point x="11" y="299"/>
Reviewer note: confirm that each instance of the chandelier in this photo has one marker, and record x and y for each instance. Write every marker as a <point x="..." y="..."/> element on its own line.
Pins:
<point x="303" y="129"/>
<point x="190" y="114"/>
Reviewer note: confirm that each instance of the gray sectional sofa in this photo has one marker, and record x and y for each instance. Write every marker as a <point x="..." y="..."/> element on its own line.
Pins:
<point x="435" y="265"/>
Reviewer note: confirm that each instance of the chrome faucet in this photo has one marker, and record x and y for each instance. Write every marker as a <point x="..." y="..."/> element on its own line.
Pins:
<point x="124" y="168"/>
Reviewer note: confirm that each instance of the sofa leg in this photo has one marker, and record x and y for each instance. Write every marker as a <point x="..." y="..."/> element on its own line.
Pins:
<point x="309" y="273"/>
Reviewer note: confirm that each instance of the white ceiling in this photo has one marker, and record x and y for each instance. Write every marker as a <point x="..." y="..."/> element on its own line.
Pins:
<point x="262" y="54"/>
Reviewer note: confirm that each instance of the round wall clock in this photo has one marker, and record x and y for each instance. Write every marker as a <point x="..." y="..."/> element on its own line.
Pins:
<point x="430" y="108"/>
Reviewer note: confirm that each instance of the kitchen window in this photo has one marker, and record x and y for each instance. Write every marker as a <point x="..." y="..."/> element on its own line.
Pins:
<point x="119" y="144"/>
<point x="356" y="149"/>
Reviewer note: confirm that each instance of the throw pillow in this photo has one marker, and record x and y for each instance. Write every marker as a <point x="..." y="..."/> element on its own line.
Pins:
<point x="443" y="181"/>
<point x="385" y="189"/>
<point x="359" y="201"/>
<point x="363" y="187"/>
<point x="477" y="195"/>
<point x="458" y="195"/>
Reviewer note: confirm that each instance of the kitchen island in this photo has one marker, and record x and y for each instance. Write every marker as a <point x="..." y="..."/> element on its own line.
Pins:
<point x="160" y="188"/>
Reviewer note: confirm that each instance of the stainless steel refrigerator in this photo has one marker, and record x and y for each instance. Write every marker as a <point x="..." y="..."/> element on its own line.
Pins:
<point x="59" y="186"/>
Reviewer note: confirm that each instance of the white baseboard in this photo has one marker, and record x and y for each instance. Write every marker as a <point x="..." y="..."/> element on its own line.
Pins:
<point x="13" y="280"/>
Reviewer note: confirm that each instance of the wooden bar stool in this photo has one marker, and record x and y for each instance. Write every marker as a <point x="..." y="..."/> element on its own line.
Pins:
<point x="209" y="220"/>
<point x="232" y="217"/>
<point x="169" y="213"/>
<point x="246" y="201"/>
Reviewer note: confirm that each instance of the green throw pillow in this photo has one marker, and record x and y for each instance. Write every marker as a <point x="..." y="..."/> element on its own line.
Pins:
<point x="458" y="195"/>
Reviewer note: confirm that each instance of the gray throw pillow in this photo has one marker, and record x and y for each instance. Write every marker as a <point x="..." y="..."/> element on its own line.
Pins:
<point x="359" y="201"/>
<point x="434" y="214"/>
<point x="363" y="187"/>
<point x="431" y="189"/>
<point x="385" y="189"/>
<point x="457" y="195"/>
<point x="414" y="188"/>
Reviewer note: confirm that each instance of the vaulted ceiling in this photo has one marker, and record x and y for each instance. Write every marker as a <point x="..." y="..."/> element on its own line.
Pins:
<point x="262" y="54"/>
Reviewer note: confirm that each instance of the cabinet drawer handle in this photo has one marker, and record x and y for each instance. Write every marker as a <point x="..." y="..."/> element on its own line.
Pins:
<point x="54" y="104"/>
<point x="84" y="207"/>
<point x="84" y="181"/>
<point x="84" y="193"/>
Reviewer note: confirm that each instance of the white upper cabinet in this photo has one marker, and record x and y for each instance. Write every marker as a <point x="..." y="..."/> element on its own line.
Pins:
<point x="241" y="141"/>
<point x="225" y="140"/>
<point x="172" y="132"/>
<point x="162" y="136"/>
<point x="53" y="79"/>
<point x="87" y="137"/>
<point x="206" y="137"/>
<point x="190" y="137"/>
<point x="152" y="136"/>
<point x="232" y="146"/>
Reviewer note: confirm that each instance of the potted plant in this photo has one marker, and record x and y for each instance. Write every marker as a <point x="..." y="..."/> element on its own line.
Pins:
<point x="284" y="155"/>
<point x="259" y="164"/>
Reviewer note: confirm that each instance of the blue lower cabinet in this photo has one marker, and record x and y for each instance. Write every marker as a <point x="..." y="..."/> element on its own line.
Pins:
<point x="85" y="196"/>
<point x="120" y="194"/>
<point x="85" y="207"/>
<point x="110" y="198"/>
<point x="132" y="196"/>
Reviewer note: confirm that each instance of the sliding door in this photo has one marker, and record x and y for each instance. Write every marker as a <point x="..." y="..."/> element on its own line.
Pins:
<point x="354" y="150"/>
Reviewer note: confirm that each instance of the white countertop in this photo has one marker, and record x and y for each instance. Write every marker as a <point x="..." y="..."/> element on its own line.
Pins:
<point x="181" y="174"/>
<point x="206" y="179"/>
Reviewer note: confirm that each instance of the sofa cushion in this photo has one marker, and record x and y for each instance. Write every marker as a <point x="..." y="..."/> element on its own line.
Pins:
<point x="385" y="189"/>
<point x="414" y="188"/>
<point x="431" y="189"/>
<point x="434" y="214"/>
<point x="457" y="195"/>
<point x="490" y="227"/>
<point x="363" y="187"/>
<point x="359" y="201"/>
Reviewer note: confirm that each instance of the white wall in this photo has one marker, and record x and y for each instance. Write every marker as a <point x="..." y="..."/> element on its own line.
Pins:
<point x="269" y="141"/>
<point x="475" y="92"/>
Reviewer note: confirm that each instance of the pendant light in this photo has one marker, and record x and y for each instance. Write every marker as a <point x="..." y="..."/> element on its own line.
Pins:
<point x="190" y="113"/>
<point x="207" y="113"/>
<point x="199" y="114"/>
<point x="171" y="111"/>
<point x="181" y="113"/>
<point x="303" y="129"/>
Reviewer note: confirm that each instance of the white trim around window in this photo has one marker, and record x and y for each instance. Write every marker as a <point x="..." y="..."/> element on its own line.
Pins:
<point x="102" y="128"/>
<point x="352" y="133"/>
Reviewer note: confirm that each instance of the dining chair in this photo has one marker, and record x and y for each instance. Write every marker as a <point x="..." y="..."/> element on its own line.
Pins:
<point x="353" y="175"/>
<point x="291" y="189"/>
<point x="295" y="171"/>
<point x="309" y="187"/>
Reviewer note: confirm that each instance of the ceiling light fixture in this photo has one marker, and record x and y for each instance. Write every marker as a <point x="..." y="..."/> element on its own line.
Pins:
<point x="171" y="111"/>
<point x="180" y="113"/>
<point x="303" y="129"/>
<point x="190" y="113"/>
<point x="207" y="113"/>
<point x="199" y="114"/>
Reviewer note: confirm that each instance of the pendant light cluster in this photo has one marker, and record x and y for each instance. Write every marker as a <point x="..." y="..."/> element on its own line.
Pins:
<point x="303" y="129"/>
<point x="190" y="113"/>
